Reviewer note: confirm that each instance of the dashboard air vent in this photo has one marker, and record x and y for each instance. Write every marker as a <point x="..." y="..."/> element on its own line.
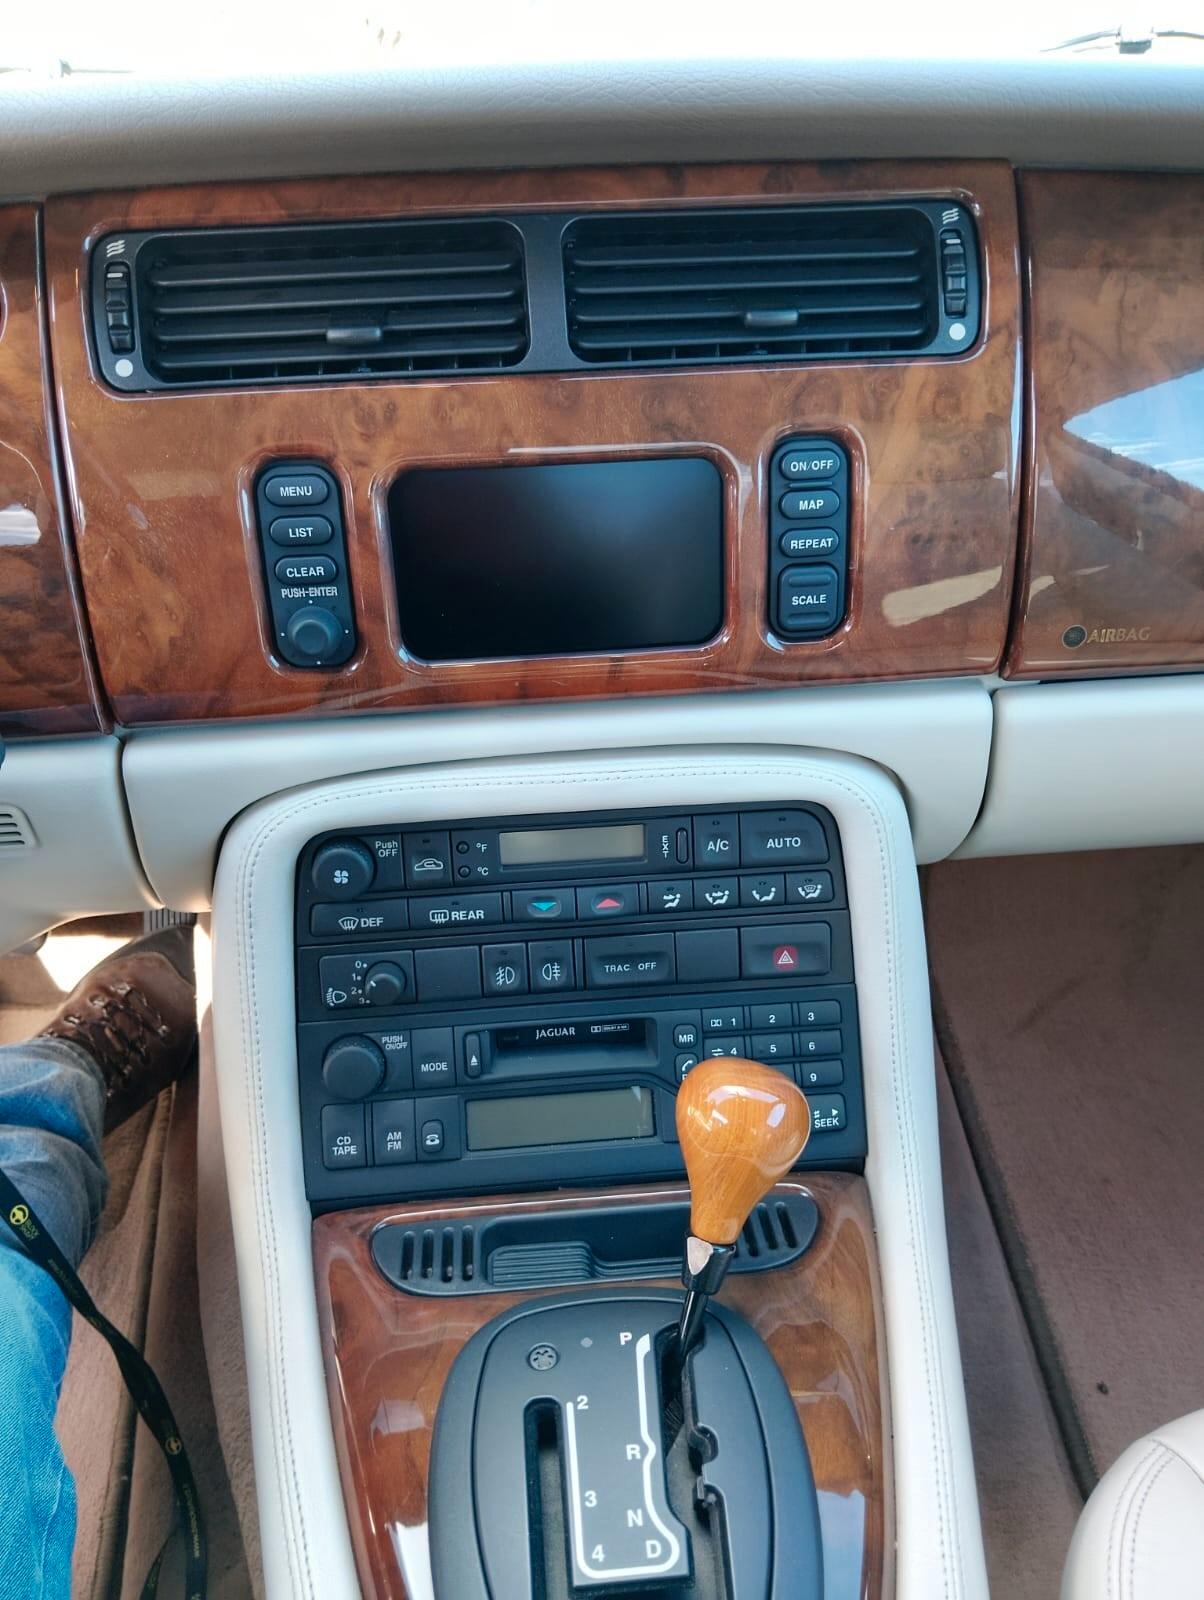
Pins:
<point x="269" y="305"/>
<point x="766" y="285"/>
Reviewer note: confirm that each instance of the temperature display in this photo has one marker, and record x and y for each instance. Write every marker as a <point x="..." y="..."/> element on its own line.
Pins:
<point x="545" y="847"/>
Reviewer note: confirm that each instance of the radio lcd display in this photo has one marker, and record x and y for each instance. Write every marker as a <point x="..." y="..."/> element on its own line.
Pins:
<point x="589" y="557"/>
<point x="550" y="1119"/>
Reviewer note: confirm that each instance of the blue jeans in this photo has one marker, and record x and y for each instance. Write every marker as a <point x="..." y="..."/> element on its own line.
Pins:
<point x="52" y="1102"/>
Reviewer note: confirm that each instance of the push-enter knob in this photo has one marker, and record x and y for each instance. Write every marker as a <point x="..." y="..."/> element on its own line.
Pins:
<point x="314" y="632"/>
<point x="353" y="1067"/>
<point x="741" y="1126"/>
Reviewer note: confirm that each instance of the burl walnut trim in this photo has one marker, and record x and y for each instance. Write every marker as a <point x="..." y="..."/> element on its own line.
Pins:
<point x="388" y="1354"/>
<point x="1112" y="530"/>
<point x="161" y="483"/>
<point x="46" y="683"/>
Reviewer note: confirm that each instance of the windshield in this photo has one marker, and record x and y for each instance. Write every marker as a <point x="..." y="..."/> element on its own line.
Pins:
<point x="272" y="36"/>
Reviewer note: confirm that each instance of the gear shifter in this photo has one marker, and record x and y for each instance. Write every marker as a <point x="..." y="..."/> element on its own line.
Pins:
<point x="742" y="1126"/>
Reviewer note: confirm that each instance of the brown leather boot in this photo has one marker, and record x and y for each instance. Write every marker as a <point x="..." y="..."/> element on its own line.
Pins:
<point x="135" y="1015"/>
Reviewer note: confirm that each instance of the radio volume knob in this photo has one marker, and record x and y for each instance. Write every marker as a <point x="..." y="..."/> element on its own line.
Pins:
<point x="384" y="984"/>
<point x="353" y="1067"/>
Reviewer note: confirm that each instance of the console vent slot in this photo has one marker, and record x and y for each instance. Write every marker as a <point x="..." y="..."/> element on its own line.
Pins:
<point x="777" y="285"/>
<point x="270" y="305"/>
<point x="593" y="1244"/>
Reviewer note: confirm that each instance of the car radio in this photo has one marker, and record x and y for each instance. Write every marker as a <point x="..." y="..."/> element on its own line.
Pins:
<point x="512" y="1003"/>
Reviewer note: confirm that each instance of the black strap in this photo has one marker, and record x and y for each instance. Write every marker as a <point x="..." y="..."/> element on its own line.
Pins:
<point x="144" y="1387"/>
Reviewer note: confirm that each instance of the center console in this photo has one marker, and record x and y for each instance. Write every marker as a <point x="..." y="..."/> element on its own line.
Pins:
<point x="508" y="1003"/>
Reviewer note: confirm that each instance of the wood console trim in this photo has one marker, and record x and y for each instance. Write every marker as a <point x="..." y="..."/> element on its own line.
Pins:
<point x="46" y="682"/>
<point x="388" y="1354"/>
<point x="163" y="513"/>
<point x="1112" y="531"/>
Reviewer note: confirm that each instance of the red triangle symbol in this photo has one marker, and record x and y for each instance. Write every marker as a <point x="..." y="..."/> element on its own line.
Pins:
<point x="785" y="956"/>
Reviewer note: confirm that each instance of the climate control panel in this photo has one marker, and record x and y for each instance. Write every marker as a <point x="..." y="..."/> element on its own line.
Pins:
<point x="490" y="1005"/>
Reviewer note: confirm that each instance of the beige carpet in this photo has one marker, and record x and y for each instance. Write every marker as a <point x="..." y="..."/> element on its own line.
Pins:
<point x="1069" y="996"/>
<point x="1026" y="1491"/>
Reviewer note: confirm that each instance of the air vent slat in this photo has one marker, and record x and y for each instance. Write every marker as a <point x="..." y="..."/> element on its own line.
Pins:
<point x="236" y="275"/>
<point x="316" y="327"/>
<point x="411" y="292"/>
<point x="738" y="286"/>
<point x="260" y="305"/>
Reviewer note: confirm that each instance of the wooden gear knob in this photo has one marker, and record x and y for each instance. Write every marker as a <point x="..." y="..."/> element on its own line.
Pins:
<point x="741" y="1126"/>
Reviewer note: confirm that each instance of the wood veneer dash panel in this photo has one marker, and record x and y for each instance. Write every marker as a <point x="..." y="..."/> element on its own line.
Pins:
<point x="163" y="515"/>
<point x="45" y="679"/>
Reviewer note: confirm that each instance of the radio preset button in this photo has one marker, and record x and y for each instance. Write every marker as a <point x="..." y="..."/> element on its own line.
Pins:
<point x="427" y="860"/>
<point x="543" y="905"/>
<point x="781" y="839"/>
<point x="343" y="1137"/>
<point x="457" y="911"/>
<point x="717" y="840"/>
<point x="772" y="1046"/>
<point x="392" y="1132"/>
<point x="786" y="950"/>
<point x="825" y="1043"/>
<point x="769" y="1018"/>
<point x="551" y="964"/>
<point x="505" y="967"/>
<point x="819" y="1013"/>
<point x="630" y="963"/>
<point x="724" y="1047"/>
<point x="821" y="1074"/>
<point x="603" y="901"/>
<point x="727" y="1019"/>
<point x="799" y="503"/>
<point x="371" y="916"/>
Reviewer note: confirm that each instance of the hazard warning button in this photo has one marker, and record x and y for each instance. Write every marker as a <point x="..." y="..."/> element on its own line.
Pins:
<point x="786" y="950"/>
